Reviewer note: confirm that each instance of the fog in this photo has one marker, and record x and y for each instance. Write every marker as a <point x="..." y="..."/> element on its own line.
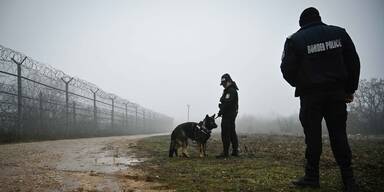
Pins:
<point x="167" y="54"/>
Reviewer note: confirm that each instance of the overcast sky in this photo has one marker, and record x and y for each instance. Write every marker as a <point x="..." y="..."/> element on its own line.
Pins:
<point x="166" y="54"/>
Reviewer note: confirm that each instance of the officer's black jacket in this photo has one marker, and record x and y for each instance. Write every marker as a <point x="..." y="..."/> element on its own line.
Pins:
<point x="229" y="101"/>
<point x="320" y="57"/>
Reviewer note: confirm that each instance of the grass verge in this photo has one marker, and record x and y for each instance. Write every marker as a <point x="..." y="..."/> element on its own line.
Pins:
<point x="267" y="163"/>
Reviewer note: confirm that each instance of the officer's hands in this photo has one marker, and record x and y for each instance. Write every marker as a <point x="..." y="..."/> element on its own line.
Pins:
<point x="219" y="113"/>
<point x="348" y="98"/>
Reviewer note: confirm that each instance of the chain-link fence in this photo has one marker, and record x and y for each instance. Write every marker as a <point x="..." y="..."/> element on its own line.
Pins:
<point x="40" y="102"/>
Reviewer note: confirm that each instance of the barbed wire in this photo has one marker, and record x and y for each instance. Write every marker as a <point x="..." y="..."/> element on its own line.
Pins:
<point x="43" y="86"/>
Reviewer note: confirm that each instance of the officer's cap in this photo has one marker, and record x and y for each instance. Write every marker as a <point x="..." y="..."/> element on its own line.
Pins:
<point x="225" y="78"/>
<point x="309" y="15"/>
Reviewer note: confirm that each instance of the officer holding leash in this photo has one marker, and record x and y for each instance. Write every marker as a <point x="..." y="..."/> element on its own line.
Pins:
<point x="321" y="62"/>
<point x="228" y="111"/>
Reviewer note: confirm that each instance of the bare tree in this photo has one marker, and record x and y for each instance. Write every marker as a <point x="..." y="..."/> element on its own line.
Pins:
<point x="367" y="110"/>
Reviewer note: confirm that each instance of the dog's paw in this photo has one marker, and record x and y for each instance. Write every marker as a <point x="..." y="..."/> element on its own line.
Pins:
<point x="185" y="155"/>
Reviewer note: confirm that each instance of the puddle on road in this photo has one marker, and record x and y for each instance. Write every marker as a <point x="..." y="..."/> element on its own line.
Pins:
<point x="112" y="164"/>
<point x="101" y="162"/>
<point x="93" y="170"/>
<point x="94" y="164"/>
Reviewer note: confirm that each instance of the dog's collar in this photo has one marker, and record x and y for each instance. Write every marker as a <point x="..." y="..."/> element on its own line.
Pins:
<point x="206" y="131"/>
<point x="203" y="129"/>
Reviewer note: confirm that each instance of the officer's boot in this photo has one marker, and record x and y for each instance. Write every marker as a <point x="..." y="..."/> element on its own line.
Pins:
<point x="310" y="179"/>
<point x="235" y="152"/>
<point x="222" y="155"/>
<point x="226" y="143"/>
<point x="235" y="146"/>
<point x="348" y="180"/>
<point x="225" y="153"/>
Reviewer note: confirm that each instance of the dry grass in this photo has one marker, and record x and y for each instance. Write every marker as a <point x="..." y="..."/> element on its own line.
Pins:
<point x="267" y="163"/>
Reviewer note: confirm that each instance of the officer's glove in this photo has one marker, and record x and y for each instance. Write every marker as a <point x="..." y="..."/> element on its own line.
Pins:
<point x="348" y="98"/>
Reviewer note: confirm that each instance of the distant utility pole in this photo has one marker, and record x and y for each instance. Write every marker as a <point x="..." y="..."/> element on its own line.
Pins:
<point x="188" y="106"/>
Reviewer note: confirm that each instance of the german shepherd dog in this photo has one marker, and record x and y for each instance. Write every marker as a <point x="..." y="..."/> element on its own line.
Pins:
<point x="199" y="132"/>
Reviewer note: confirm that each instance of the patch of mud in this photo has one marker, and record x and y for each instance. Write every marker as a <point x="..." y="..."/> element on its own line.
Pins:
<point x="94" y="164"/>
<point x="80" y="181"/>
<point x="113" y="164"/>
<point x="98" y="160"/>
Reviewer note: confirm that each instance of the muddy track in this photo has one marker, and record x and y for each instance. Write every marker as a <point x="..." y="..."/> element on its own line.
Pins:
<point x="94" y="164"/>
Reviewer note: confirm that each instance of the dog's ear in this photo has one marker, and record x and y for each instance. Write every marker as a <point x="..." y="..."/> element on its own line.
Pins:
<point x="206" y="116"/>
<point x="213" y="116"/>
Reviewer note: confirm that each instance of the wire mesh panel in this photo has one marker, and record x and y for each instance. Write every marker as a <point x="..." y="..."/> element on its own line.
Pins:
<point x="38" y="101"/>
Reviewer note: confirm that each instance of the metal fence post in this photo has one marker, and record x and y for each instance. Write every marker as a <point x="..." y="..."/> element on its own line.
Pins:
<point x="125" y="125"/>
<point x="40" y="112"/>
<point x="135" y="116"/>
<point x="94" y="107"/>
<point x="19" y="97"/>
<point x="74" y="114"/>
<point x="112" y="112"/>
<point x="66" y="104"/>
<point x="149" y="120"/>
<point x="144" y="119"/>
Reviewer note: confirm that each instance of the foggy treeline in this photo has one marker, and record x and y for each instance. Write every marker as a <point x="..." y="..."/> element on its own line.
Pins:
<point x="39" y="102"/>
<point x="365" y="115"/>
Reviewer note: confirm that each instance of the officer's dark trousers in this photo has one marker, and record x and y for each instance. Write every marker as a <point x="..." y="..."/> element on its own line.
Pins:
<point x="228" y="133"/>
<point x="331" y="107"/>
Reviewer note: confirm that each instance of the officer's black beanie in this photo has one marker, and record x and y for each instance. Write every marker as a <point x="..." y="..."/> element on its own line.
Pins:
<point x="309" y="15"/>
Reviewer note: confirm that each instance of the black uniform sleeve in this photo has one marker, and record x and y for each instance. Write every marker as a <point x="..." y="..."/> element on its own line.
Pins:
<point x="289" y="63"/>
<point x="228" y="101"/>
<point x="352" y="63"/>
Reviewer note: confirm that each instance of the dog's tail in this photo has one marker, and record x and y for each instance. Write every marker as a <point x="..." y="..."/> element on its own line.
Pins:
<point x="172" y="146"/>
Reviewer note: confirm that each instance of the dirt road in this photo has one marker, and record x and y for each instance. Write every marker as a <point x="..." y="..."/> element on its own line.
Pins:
<point x="94" y="164"/>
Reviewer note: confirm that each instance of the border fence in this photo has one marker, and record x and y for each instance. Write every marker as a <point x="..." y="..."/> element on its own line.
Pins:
<point x="38" y="102"/>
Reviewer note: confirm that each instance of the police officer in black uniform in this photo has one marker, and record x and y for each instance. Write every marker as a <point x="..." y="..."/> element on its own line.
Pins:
<point x="321" y="62"/>
<point x="228" y="111"/>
